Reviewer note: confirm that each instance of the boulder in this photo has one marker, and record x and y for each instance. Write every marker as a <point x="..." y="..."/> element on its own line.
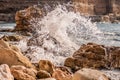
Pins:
<point x="12" y="55"/>
<point x="23" y="73"/>
<point x="46" y="65"/>
<point x="5" y="73"/>
<point x="89" y="74"/>
<point x="95" y="56"/>
<point x="43" y="74"/>
<point x="23" y="18"/>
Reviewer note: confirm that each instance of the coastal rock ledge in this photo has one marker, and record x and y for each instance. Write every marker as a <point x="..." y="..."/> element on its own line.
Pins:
<point x="96" y="56"/>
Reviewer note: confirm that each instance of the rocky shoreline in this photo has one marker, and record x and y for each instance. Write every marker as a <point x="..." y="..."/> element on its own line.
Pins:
<point x="18" y="66"/>
<point x="86" y="63"/>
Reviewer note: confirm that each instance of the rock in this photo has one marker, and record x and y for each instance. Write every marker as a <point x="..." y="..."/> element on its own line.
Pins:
<point x="11" y="38"/>
<point x="89" y="74"/>
<point x="23" y="18"/>
<point x="64" y="69"/>
<point x="94" y="56"/>
<point x="46" y="65"/>
<point x="23" y="73"/>
<point x="105" y="18"/>
<point x="43" y="74"/>
<point x="5" y="73"/>
<point x="47" y="79"/>
<point x="69" y="62"/>
<point x="60" y="75"/>
<point x="12" y="56"/>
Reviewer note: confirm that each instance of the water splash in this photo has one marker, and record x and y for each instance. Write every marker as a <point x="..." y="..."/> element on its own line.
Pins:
<point x="59" y="34"/>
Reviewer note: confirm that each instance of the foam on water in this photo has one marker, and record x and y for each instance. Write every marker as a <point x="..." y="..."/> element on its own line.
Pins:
<point x="59" y="34"/>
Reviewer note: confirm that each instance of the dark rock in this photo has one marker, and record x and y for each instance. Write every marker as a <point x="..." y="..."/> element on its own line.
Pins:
<point x="43" y="74"/>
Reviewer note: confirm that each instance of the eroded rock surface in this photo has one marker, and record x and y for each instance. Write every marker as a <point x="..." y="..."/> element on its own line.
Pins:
<point x="5" y="73"/>
<point x="23" y="18"/>
<point x="11" y="55"/>
<point x="93" y="55"/>
<point x="23" y="73"/>
<point x="89" y="74"/>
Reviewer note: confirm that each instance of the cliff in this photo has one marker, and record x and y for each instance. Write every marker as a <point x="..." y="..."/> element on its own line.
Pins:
<point x="8" y="8"/>
<point x="97" y="7"/>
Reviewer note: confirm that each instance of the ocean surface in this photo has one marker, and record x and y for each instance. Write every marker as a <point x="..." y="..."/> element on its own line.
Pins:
<point x="111" y="32"/>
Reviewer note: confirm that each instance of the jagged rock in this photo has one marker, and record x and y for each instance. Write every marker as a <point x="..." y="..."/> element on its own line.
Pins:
<point x="47" y="79"/>
<point x="64" y="69"/>
<point x="46" y="65"/>
<point x="94" y="56"/>
<point x="5" y="73"/>
<point x="23" y="18"/>
<point x="12" y="56"/>
<point x="43" y="74"/>
<point x="11" y="38"/>
<point x="60" y="75"/>
<point x="89" y="74"/>
<point x="23" y="73"/>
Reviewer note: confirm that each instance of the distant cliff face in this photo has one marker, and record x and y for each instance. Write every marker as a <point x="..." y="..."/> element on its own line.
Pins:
<point x="97" y="7"/>
<point x="8" y="8"/>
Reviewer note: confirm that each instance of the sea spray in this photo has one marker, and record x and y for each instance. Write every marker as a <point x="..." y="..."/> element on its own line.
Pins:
<point x="59" y="34"/>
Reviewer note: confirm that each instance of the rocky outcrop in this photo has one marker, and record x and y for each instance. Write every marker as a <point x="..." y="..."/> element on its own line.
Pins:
<point x="11" y="55"/>
<point x="93" y="55"/>
<point x="23" y="18"/>
<point x="5" y="73"/>
<point x="89" y="74"/>
<point x="23" y="73"/>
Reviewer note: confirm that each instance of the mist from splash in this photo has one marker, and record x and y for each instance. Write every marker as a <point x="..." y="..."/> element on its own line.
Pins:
<point x="59" y="34"/>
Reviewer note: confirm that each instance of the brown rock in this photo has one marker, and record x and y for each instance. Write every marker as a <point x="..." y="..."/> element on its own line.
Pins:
<point x="23" y="73"/>
<point x="43" y="74"/>
<point x="60" y="75"/>
<point x="94" y="56"/>
<point x="46" y="65"/>
<point x="5" y="73"/>
<point x="47" y="79"/>
<point x="12" y="56"/>
<point x="105" y="18"/>
<point x="23" y="18"/>
<point x="11" y="38"/>
<point x="89" y="74"/>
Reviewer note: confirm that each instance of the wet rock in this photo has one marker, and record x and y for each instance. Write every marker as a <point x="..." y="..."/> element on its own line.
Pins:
<point x="46" y="65"/>
<point x="5" y="73"/>
<point x="12" y="56"/>
<point x="89" y="74"/>
<point x="60" y="75"/>
<point x="96" y="56"/>
<point x="64" y="69"/>
<point x="47" y="79"/>
<point x="43" y="74"/>
<point x="23" y="18"/>
<point x="69" y="62"/>
<point x="23" y="73"/>
<point x="11" y="38"/>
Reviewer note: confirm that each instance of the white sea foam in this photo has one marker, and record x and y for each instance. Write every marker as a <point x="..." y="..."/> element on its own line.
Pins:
<point x="59" y="34"/>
